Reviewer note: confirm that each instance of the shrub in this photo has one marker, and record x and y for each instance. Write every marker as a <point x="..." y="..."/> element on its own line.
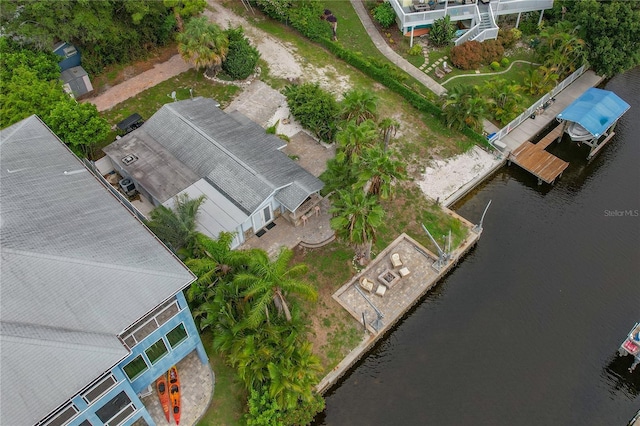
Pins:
<point x="467" y="56"/>
<point x="495" y="66"/>
<point x="504" y="62"/>
<point x="242" y="58"/>
<point x="492" y="51"/>
<point x="276" y="9"/>
<point x="442" y="31"/>
<point x="304" y="16"/>
<point x="416" y="50"/>
<point x="506" y="38"/>
<point x="314" y="108"/>
<point x="384" y="14"/>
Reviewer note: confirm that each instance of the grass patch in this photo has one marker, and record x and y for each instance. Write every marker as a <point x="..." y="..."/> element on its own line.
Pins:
<point x="227" y="407"/>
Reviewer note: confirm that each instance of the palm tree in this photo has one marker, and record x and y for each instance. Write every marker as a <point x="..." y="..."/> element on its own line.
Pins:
<point x="505" y="99"/>
<point x="213" y="262"/>
<point x="269" y="282"/>
<point x="177" y="227"/>
<point x="359" y="105"/>
<point x="356" y="218"/>
<point x="388" y="126"/>
<point x="462" y="106"/>
<point x="377" y="171"/>
<point x="203" y="44"/>
<point x="354" y="138"/>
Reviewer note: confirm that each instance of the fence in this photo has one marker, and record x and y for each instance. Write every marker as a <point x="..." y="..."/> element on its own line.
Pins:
<point x="525" y="115"/>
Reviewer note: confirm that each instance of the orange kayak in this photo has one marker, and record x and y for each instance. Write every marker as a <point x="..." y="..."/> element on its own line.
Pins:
<point x="174" y="392"/>
<point x="163" y="394"/>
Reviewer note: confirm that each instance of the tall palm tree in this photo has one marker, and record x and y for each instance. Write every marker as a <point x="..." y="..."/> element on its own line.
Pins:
<point x="504" y="99"/>
<point x="359" y="105"/>
<point x="356" y="218"/>
<point x="376" y="171"/>
<point x="388" y="127"/>
<point x="268" y="283"/>
<point x="354" y="138"/>
<point x="177" y="227"/>
<point x="203" y="44"/>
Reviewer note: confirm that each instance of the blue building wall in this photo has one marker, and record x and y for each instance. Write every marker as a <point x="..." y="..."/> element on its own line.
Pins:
<point x="141" y="382"/>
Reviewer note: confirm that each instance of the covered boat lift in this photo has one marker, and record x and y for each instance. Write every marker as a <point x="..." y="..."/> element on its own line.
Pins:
<point x="591" y="116"/>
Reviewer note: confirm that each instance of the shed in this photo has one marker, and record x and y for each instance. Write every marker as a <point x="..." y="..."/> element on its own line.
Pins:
<point x="76" y="81"/>
<point x="70" y="55"/>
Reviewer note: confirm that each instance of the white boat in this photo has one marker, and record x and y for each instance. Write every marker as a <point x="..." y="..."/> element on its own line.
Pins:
<point x="578" y="133"/>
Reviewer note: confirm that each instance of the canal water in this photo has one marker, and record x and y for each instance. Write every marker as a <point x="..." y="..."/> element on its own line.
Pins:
<point x="525" y="330"/>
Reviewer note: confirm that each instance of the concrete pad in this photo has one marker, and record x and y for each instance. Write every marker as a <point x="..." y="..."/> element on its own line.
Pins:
<point x="258" y="102"/>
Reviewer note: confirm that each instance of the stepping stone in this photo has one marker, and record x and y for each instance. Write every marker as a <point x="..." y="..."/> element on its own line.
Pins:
<point x="477" y="71"/>
<point x="445" y="58"/>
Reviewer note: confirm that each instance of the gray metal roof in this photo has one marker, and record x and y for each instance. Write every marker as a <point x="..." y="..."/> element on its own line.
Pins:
<point x="217" y="213"/>
<point x="236" y="155"/>
<point x="77" y="269"/>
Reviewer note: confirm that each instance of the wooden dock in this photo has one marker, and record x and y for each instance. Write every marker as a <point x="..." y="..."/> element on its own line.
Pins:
<point x="534" y="159"/>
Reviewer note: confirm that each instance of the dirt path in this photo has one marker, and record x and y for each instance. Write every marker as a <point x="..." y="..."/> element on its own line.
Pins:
<point x="131" y="87"/>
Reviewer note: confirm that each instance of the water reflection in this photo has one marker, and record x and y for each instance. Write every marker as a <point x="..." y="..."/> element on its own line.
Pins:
<point x="619" y="379"/>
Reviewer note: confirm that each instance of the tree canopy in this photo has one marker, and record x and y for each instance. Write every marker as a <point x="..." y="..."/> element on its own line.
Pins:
<point x="29" y="84"/>
<point x="203" y="44"/>
<point x="107" y="31"/>
<point x="611" y="30"/>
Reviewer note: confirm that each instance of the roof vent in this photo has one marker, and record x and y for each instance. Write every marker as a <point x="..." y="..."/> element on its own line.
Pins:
<point x="129" y="159"/>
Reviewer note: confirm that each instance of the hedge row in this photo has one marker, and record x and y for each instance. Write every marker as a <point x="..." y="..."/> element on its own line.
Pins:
<point x="382" y="76"/>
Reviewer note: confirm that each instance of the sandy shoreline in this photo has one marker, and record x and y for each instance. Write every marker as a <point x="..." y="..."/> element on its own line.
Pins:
<point x="443" y="178"/>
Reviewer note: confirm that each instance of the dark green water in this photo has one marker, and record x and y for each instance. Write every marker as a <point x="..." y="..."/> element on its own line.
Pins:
<point x="526" y="329"/>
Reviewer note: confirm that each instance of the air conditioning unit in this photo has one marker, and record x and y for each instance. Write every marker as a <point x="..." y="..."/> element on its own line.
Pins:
<point x="127" y="185"/>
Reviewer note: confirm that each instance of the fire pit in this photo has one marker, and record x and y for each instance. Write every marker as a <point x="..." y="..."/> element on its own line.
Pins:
<point x="388" y="278"/>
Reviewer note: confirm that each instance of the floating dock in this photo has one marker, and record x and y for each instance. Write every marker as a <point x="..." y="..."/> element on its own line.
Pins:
<point x="534" y="159"/>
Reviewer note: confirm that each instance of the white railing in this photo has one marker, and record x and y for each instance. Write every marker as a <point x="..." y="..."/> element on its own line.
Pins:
<point x="531" y="110"/>
<point x="469" y="35"/>
<point x="504" y="7"/>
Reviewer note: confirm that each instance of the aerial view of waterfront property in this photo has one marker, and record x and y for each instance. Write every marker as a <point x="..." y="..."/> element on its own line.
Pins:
<point x="356" y="212"/>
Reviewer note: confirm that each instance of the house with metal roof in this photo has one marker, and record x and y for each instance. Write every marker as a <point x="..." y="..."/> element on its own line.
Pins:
<point x="91" y="303"/>
<point x="194" y="147"/>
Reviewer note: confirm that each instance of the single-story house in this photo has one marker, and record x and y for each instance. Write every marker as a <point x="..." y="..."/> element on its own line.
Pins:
<point x="194" y="147"/>
<point x="92" y="304"/>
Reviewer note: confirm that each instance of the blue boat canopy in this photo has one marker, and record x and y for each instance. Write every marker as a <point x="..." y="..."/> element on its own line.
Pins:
<point x="596" y="110"/>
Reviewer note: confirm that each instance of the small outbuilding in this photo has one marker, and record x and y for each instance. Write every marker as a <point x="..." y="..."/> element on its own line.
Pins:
<point x="76" y="82"/>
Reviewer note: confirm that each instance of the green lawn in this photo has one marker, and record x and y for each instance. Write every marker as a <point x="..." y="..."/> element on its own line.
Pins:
<point x="229" y="395"/>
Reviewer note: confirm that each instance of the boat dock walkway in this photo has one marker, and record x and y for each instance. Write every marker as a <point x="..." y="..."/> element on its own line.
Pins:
<point x="534" y="159"/>
<point x="528" y="129"/>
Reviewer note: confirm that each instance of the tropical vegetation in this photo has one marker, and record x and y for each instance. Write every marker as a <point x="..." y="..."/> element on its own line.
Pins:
<point x="29" y="84"/>
<point x="204" y="45"/>
<point x="250" y="305"/>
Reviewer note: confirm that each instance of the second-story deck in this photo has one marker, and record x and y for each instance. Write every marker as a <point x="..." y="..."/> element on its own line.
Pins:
<point x="413" y="14"/>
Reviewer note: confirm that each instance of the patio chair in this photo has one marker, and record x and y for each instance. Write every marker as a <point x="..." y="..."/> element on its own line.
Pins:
<point x="439" y="73"/>
<point x="366" y="284"/>
<point x="395" y="260"/>
<point x="381" y="290"/>
<point x="446" y="68"/>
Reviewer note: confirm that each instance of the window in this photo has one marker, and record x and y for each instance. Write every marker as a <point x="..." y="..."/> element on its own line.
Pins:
<point x="116" y="410"/>
<point x="99" y="389"/>
<point x="61" y="416"/>
<point x="267" y="214"/>
<point x="136" y="367"/>
<point x="151" y="322"/>
<point x="177" y="335"/>
<point x="156" y="351"/>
